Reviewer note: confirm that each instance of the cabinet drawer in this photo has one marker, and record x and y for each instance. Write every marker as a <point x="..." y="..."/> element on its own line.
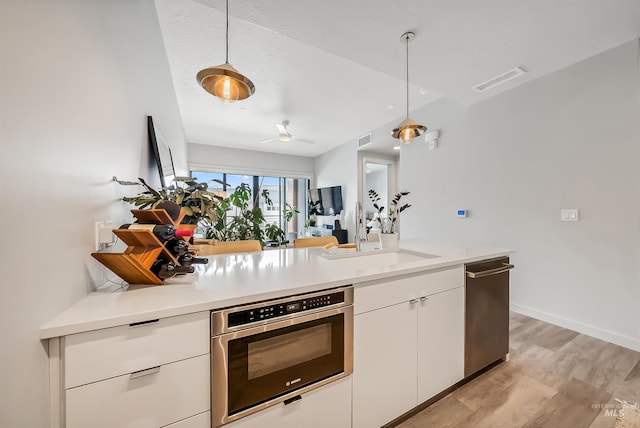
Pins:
<point x="110" y="352"/>
<point x="373" y="295"/>
<point x="173" y="393"/>
<point x="203" y="420"/>
<point x="326" y="407"/>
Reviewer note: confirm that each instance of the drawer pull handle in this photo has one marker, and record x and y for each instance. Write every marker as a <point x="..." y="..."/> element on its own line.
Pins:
<point x="292" y="400"/>
<point x="144" y="372"/>
<point x="138" y="324"/>
<point x="413" y="301"/>
<point x="423" y="298"/>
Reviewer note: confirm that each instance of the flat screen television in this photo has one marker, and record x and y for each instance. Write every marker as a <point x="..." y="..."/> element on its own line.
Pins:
<point x="325" y="200"/>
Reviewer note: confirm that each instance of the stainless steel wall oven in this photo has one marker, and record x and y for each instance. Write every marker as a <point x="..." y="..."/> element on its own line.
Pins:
<point x="273" y="351"/>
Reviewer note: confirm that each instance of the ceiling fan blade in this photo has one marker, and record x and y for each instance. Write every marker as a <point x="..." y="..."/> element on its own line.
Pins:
<point x="269" y="140"/>
<point x="300" y="140"/>
<point x="282" y="129"/>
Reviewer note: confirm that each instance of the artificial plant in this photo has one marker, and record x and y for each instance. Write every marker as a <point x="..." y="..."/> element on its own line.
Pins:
<point x="389" y="219"/>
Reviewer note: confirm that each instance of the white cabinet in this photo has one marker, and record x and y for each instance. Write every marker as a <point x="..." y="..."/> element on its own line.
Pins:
<point x="408" y="343"/>
<point x="162" y="396"/>
<point x="109" y="352"/>
<point x="327" y="406"/>
<point x="150" y="374"/>
<point x="384" y="365"/>
<point x="440" y="342"/>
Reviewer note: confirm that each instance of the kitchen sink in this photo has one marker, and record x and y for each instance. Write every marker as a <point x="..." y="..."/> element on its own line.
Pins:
<point x="376" y="258"/>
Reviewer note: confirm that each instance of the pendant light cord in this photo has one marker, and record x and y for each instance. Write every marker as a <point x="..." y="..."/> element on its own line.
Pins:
<point x="407" y="39"/>
<point x="227" y="37"/>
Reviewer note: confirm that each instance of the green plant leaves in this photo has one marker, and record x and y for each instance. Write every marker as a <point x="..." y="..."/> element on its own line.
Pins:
<point x="393" y="212"/>
<point x="247" y="223"/>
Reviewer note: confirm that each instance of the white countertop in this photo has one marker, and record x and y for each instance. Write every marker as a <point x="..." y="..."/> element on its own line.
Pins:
<point x="232" y="279"/>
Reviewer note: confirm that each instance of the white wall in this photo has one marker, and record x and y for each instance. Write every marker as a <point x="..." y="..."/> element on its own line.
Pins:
<point x="339" y="167"/>
<point x="78" y="78"/>
<point x="567" y="140"/>
<point x="203" y="157"/>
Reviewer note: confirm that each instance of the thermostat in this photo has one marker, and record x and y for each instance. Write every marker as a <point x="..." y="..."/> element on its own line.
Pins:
<point x="462" y="213"/>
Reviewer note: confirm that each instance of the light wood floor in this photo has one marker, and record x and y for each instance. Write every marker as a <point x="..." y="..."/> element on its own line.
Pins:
<point x="555" y="378"/>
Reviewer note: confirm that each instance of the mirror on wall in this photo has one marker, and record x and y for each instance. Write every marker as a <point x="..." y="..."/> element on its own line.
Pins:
<point x="376" y="178"/>
<point x="379" y="174"/>
<point x="162" y="153"/>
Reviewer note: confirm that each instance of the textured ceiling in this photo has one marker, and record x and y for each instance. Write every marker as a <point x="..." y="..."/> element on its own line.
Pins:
<point x="333" y="67"/>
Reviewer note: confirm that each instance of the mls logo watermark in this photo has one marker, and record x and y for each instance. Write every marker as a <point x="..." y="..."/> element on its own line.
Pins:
<point x="615" y="409"/>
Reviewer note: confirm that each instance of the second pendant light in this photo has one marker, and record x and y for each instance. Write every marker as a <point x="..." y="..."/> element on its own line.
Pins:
<point x="408" y="129"/>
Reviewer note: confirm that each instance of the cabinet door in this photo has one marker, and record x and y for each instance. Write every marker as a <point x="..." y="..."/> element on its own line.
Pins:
<point x="440" y="342"/>
<point x="326" y="407"/>
<point x="169" y="394"/>
<point x="384" y="364"/>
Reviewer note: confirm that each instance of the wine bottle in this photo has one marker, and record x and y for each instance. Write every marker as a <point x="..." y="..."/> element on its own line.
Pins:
<point x="188" y="260"/>
<point x="177" y="247"/>
<point x="164" y="232"/>
<point x="171" y="208"/>
<point x="164" y="269"/>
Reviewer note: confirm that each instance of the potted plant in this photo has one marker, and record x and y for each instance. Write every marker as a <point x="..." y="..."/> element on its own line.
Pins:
<point x="247" y="223"/>
<point x="388" y="220"/>
<point x="197" y="202"/>
<point x="288" y="213"/>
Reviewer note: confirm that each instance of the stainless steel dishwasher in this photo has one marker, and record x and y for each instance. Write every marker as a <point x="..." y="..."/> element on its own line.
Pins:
<point x="486" y="313"/>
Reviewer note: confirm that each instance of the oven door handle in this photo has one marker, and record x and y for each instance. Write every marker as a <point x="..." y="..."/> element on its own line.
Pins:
<point x="292" y="400"/>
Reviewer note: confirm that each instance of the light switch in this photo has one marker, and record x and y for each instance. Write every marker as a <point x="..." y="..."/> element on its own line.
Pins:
<point x="569" y="215"/>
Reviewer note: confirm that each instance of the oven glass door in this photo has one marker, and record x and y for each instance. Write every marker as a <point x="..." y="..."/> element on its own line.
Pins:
<point x="271" y="363"/>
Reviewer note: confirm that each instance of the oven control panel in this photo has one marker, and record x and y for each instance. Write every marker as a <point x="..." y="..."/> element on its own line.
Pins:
<point x="277" y="309"/>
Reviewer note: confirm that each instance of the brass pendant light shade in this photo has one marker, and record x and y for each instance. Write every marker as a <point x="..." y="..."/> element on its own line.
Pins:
<point x="224" y="81"/>
<point x="408" y="129"/>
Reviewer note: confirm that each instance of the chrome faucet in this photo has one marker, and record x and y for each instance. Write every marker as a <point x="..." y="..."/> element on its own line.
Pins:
<point x="359" y="225"/>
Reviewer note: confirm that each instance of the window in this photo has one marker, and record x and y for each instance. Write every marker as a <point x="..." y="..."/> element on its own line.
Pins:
<point x="282" y="191"/>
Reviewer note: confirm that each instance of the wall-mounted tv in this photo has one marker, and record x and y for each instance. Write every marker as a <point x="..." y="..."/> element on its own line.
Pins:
<point x="325" y="200"/>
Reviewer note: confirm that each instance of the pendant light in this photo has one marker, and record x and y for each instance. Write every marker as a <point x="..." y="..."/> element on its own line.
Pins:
<point x="408" y="129"/>
<point x="223" y="80"/>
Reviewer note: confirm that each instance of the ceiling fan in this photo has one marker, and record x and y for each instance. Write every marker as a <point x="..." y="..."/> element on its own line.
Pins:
<point x="284" y="135"/>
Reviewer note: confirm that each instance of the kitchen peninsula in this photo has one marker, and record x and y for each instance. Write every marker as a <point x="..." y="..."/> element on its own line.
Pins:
<point x="160" y="337"/>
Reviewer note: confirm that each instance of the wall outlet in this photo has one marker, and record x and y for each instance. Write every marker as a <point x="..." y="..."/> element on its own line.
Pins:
<point x="569" y="215"/>
<point x="103" y="234"/>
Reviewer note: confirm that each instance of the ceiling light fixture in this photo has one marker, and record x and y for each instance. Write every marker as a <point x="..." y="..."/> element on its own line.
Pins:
<point x="408" y="129"/>
<point x="223" y="80"/>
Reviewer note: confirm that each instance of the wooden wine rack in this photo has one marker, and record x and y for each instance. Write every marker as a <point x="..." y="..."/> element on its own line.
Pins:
<point x="143" y="248"/>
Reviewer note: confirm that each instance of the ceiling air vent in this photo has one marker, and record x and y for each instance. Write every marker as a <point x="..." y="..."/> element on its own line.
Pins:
<point x="495" y="81"/>
<point x="364" y="140"/>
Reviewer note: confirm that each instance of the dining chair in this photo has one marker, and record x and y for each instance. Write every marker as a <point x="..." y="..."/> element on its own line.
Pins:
<point x="314" y="242"/>
<point x="230" y="247"/>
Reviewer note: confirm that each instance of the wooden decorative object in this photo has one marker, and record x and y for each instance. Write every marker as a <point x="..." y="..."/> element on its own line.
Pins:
<point x="143" y="248"/>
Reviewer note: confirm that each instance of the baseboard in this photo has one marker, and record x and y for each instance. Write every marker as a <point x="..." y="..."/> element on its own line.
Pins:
<point x="598" y="333"/>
